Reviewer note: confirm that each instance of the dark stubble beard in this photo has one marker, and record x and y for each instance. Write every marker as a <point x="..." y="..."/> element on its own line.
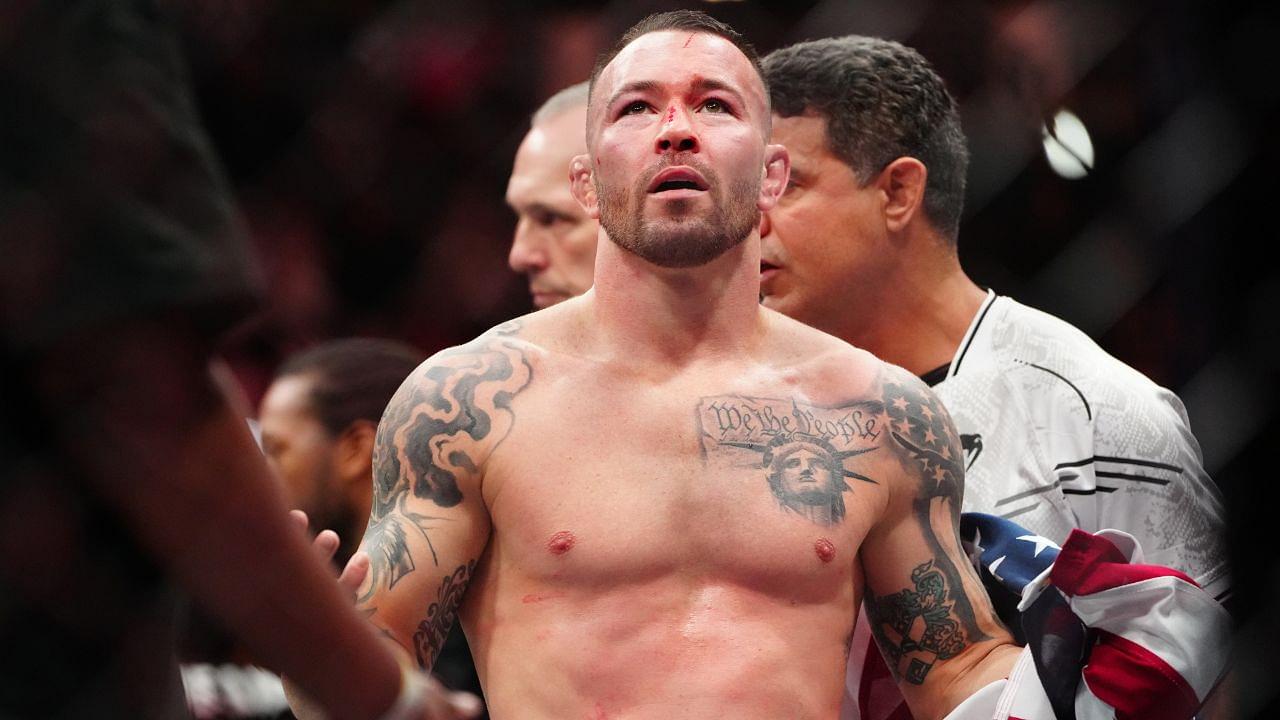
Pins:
<point x="680" y="240"/>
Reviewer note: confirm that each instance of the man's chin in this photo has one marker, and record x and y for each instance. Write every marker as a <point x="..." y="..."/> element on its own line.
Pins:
<point x="684" y="243"/>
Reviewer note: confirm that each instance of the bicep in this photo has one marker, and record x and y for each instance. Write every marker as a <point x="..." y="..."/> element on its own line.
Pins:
<point x="428" y="523"/>
<point x="927" y="608"/>
<point x="421" y="559"/>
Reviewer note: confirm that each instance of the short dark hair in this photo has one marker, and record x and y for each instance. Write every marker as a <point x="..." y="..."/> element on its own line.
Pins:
<point x="882" y="100"/>
<point x="352" y="379"/>
<point x="688" y="20"/>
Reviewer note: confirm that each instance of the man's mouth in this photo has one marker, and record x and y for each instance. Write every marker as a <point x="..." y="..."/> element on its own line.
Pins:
<point x="677" y="180"/>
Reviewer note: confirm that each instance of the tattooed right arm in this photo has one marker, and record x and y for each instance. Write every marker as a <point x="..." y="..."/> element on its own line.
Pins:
<point x="926" y="606"/>
<point x="428" y="523"/>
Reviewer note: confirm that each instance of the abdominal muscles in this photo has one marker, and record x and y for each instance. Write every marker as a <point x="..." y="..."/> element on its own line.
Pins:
<point x="667" y="649"/>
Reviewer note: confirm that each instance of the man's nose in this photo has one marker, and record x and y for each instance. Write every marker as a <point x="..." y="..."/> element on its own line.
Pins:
<point x="766" y="225"/>
<point x="527" y="254"/>
<point x="677" y="133"/>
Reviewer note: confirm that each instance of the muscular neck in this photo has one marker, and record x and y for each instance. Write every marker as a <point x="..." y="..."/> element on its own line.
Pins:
<point x="924" y="316"/>
<point x="661" y="316"/>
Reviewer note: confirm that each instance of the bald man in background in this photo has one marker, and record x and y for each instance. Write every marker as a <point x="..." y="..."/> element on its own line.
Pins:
<point x="555" y="241"/>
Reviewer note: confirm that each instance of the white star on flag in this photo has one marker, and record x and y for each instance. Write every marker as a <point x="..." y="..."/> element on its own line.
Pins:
<point x="1041" y="543"/>
<point x="992" y="567"/>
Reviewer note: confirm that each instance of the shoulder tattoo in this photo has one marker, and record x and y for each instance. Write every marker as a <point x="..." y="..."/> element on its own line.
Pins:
<point x="933" y="619"/>
<point x="441" y="426"/>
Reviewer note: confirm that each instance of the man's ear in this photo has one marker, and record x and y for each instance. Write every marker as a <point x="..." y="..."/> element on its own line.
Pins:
<point x="903" y="184"/>
<point x="777" y="170"/>
<point x="353" y="453"/>
<point x="583" y="187"/>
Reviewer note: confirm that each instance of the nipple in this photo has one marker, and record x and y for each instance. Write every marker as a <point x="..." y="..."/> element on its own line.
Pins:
<point x="825" y="551"/>
<point x="561" y="542"/>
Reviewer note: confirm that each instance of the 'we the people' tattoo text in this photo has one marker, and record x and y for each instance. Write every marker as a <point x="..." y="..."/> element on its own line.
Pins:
<point x="804" y="450"/>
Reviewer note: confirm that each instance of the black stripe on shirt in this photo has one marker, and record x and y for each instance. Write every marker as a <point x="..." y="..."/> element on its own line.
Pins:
<point x="972" y="335"/>
<point x="1135" y="478"/>
<point x="1120" y="461"/>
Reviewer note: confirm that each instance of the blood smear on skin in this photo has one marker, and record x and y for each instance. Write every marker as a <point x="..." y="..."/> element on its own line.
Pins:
<point x="561" y="543"/>
<point x="825" y="551"/>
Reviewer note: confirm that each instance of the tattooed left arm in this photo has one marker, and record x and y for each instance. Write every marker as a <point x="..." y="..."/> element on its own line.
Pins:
<point x="927" y="608"/>
<point x="428" y="525"/>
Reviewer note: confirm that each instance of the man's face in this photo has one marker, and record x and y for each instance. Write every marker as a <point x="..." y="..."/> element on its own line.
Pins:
<point x="555" y="240"/>
<point x="299" y="448"/>
<point x="678" y="147"/>
<point x="824" y="250"/>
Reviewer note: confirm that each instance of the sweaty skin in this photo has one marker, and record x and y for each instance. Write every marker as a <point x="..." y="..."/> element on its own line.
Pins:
<point x="660" y="499"/>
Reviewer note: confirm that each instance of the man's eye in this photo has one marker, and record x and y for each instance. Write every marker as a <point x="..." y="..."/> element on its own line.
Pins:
<point x="715" y="106"/>
<point x="546" y="219"/>
<point x="635" y="108"/>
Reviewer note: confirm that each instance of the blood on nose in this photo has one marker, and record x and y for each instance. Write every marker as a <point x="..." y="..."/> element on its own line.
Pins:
<point x="671" y="114"/>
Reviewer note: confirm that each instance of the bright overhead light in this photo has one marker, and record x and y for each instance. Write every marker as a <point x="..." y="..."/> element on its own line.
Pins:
<point x="1067" y="146"/>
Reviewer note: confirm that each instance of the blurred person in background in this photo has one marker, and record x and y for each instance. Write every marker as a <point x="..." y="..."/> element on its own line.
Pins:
<point x="555" y="240"/>
<point x="1057" y="434"/>
<point x="128" y="471"/>
<point x="318" y="419"/>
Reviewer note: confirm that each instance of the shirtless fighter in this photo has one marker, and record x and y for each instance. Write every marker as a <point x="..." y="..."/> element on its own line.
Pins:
<point x="661" y="499"/>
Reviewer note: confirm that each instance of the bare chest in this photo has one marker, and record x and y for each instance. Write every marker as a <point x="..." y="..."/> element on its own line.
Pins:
<point x="755" y="487"/>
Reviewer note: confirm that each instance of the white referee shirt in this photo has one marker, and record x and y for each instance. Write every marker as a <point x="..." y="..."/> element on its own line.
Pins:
<point x="1058" y="434"/>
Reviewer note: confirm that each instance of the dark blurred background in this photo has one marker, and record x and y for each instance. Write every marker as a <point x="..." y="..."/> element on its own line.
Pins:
<point x="369" y="142"/>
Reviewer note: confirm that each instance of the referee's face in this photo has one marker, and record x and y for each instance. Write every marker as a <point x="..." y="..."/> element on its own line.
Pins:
<point x="825" y="251"/>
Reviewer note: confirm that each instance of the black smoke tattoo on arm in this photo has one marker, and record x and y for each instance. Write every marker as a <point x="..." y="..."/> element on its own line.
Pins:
<point x="443" y="420"/>
<point x="933" y="620"/>
<point x="441" y="615"/>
